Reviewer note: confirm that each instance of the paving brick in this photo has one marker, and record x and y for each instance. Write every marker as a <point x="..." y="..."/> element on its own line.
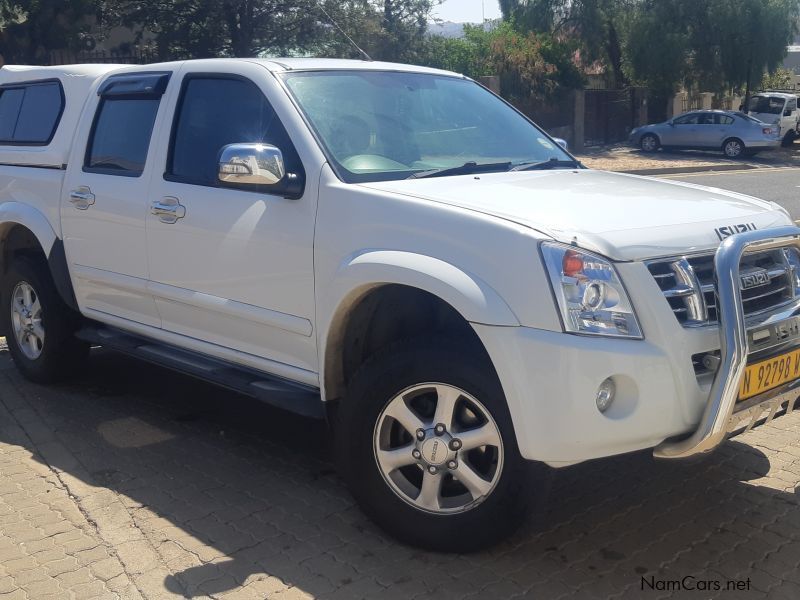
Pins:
<point x="249" y="514"/>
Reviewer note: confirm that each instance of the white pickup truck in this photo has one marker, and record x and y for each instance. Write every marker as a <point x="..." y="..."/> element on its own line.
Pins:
<point x="779" y="109"/>
<point x="397" y="250"/>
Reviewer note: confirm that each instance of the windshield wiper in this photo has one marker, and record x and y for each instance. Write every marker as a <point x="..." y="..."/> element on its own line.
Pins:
<point x="553" y="163"/>
<point x="468" y="168"/>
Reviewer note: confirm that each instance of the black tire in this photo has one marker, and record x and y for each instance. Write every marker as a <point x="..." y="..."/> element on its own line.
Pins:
<point x="649" y="142"/>
<point x="380" y="379"/>
<point x="61" y="354"/>
<point x="734" y="148"/>
<point x="788" y="139"/>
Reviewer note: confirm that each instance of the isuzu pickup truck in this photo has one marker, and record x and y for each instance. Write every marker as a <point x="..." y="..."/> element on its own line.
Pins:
<point x="396" y="250"/>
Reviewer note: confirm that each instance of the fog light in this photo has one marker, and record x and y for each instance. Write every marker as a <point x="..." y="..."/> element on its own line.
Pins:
<point x="605" y="394"/>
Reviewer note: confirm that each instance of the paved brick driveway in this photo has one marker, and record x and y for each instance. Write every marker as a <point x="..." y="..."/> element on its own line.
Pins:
<point x="136" y="482"/>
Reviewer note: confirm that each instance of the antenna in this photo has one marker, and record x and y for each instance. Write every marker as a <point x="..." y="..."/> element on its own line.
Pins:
<point x="349" y="39"/>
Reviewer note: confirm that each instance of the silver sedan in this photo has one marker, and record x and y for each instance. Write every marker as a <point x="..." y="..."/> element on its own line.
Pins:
<point x="734" y="133"/>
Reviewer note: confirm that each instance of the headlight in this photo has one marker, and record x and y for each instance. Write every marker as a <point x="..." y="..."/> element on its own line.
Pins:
<point x="589" y="293"/>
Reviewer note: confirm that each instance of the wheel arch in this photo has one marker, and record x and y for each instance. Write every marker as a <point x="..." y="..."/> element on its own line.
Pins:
<point x="391" y="295"/>
<point x="14" y="214"/>
<point x="23" y="228"/>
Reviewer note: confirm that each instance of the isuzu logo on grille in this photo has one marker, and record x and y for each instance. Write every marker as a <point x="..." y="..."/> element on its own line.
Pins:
<point x="754" y="278"/>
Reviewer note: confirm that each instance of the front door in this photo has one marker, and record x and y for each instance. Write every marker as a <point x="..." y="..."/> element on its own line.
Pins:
<point x="683" y="131"/>
<point x="105" y="199"/>
<point x="232" y="266"/>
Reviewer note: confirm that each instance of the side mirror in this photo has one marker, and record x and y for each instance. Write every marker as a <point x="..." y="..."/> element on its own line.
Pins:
<point x="251" y="164"/>
<point x="787" y="113"/>
<point x="671" y="123"/>
<point x="561" y="142"/>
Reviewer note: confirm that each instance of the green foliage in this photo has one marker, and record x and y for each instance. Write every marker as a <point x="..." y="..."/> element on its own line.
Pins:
<point x="779" y="79"/>
<point x="715" y="44"/>
<point x="658" y="47"/>
<point x="598" y="25"/>
<point x="470" y="55"/>
<point x="208" y="28"/>
<point x="30" y="29"/>
<point x="404" y="24"/>
<point x="532" y="66"/>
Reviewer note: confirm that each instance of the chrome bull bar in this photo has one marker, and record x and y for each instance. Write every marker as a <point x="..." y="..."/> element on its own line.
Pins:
<point x="718" y="417"/>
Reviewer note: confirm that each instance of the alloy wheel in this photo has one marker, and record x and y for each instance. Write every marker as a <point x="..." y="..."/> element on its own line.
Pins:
<point x="649" y="143"/>
<point x="438" y="448"/>
<point x="733" y="148"/>
<point x="26" y="318"/>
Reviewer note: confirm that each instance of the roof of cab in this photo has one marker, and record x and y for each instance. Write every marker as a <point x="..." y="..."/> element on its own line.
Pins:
<point x="337" y="64"/>
<point x="776" y="94"/>
<point x="18" y="73"/>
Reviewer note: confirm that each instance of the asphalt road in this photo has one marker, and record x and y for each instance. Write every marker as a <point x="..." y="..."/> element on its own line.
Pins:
<point x="780" y="185"/>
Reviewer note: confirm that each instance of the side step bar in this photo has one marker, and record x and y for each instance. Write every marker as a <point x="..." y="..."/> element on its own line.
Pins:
<point x="294" y="397"/>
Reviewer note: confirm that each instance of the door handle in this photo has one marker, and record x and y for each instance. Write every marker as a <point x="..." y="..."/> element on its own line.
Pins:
<point x="168" y="210"/>
<point x="81" y="198"/>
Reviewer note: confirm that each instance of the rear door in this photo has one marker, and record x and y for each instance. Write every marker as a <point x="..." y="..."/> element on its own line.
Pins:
<point x="105" y="199"/>
<point x="724" y="127"/>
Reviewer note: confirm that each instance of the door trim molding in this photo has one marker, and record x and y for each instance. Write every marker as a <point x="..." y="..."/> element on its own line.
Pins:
<point x="225" y="306"/>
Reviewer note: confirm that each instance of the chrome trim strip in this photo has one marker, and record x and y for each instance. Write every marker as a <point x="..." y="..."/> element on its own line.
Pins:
<point x="695" y="301"/>
<point x="734" y="348"/>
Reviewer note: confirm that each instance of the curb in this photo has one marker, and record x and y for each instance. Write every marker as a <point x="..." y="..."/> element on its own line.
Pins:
<point x="704" y="169"/>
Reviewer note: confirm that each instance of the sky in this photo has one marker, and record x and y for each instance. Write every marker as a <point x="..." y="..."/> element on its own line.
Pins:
<point x="467" y="11"/>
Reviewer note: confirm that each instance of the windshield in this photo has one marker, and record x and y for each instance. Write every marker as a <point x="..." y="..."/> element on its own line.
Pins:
<point x="379" y="126"/>
<point x="772" y="105"/>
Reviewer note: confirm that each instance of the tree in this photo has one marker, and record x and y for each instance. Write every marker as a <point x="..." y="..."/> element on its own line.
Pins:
<point x="31" y="29"/>
<point x="598" y="25"/>
<point x="534" y="68"/>
<point x="749" y="36"/>
<point x="716" y="45"/>
<point x="658" y="47"/>
<point x="208" y="28"/>
<point x="404" y="24"/>
<point x="779" y="79"/>
<point x="470" y="55"/>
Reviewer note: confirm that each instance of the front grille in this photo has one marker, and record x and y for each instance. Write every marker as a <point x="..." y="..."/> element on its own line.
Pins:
<point x="688" y="285"/>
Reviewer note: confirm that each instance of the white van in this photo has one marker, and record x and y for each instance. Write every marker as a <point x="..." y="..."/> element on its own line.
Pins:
<point x="776" y="108"/>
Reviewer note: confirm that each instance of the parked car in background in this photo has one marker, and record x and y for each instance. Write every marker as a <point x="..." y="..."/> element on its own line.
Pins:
<point x="735" y="133"/>
<point x="779" y="109"/>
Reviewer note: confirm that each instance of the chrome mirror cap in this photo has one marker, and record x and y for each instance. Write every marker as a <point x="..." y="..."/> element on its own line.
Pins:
<point x="251" y="164"/>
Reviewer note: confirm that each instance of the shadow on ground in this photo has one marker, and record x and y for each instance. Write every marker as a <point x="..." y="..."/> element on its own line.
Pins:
<point x="229" y="490"/>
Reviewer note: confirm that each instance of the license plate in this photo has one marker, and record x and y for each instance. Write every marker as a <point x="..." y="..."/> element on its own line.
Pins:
<point x="768" y="374"/>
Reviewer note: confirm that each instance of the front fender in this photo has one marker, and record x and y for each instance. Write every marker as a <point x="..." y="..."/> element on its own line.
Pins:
<point x="472" y="297"/>
<point x="17" y="213"/>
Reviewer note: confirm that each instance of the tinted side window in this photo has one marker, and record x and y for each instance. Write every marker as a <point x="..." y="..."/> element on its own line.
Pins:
<point x="10" y="102"/>
<point x="215" y="112"/>
<point x="705" y="119"/>
<point x="687" y="120"/>
<point x="29" y="113"/>
<point x="121" y="136"/>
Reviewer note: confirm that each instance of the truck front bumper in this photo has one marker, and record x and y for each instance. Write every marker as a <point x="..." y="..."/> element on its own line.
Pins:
<point x="551" y="379"/>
